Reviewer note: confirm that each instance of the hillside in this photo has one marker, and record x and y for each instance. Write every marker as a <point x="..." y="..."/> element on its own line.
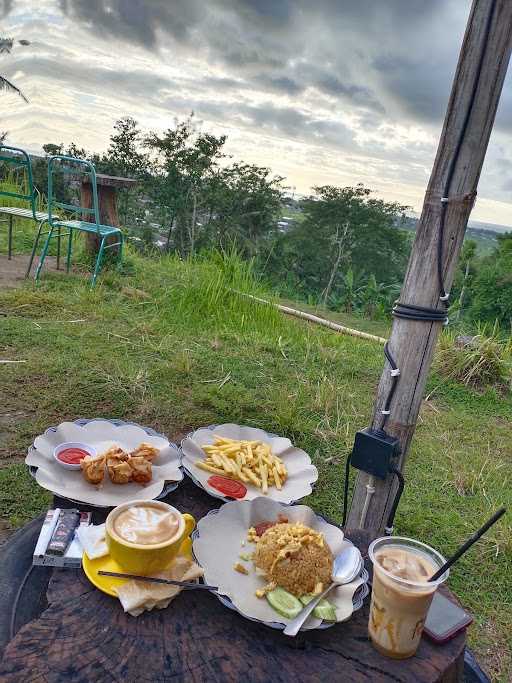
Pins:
<point x="168" y="344"/>
<point x="482" y="233"/>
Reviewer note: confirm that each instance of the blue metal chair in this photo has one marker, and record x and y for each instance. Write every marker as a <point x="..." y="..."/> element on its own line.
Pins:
<point x="19" y="159"/>
<point x="76" y="167"/>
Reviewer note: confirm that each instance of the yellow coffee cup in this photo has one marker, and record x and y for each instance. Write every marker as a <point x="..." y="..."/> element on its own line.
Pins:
<point x="146" y="558"/>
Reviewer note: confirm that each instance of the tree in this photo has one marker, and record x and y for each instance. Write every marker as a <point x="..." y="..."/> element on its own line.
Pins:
<point x="185" y="161"/>
<point x="463" y="277"/>
<point x="125" y="157"/>
<point x="343" y="228"/>
<point x="491" y="288"/>
<point x="40" y="173"/>
<point x="8" y="86"/>
<point x="243" y="203"/>
<point x="377" y="298"/>
<point x="6" y="45"/>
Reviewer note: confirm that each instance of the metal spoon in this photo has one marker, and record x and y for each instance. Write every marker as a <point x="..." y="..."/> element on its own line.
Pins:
<point x="346" y="567"/>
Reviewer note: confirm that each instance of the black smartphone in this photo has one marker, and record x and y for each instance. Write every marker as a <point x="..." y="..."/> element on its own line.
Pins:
<point x="445" y="619"/>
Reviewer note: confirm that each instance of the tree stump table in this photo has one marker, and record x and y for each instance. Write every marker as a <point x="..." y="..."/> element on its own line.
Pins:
<point x="108" y="186"/>
<point x="83" y="636"/>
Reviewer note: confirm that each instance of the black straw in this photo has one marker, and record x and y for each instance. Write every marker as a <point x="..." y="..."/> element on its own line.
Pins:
<point x="468" y="544"/>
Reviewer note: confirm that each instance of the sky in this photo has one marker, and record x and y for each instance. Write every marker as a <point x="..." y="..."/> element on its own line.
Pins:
<point x="325" y="92"/>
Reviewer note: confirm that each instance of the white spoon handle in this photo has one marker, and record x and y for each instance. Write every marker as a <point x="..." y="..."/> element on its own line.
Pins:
<point x="294" y="626"/>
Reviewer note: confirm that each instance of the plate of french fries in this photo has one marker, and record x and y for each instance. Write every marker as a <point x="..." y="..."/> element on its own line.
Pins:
<point x="261" y="463"/>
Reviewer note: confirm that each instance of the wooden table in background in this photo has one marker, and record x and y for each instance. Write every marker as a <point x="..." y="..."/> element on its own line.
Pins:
<point x="76" y="634"/>
<point x="107" y="185"/>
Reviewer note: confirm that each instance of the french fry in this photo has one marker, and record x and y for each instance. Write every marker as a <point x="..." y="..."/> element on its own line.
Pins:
<point x="217" y="460"/>
<point x="277" y="478"/>
<point x="229" y="448"/>
<point x="209" y="468"/>
<point x="264" y="476"/>
<point x="249" y="461"/>
<point x="252" y="477"/>
<point x="226" y="463"/>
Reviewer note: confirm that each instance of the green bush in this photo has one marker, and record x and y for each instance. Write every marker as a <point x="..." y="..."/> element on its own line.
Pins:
<point x="481" y="361"/>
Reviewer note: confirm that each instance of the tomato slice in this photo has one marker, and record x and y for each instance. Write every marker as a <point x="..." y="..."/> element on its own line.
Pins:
<point x="262" y="527"/>
<point x="229" y="487"/>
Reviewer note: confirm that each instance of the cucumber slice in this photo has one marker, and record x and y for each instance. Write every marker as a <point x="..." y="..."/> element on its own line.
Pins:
<point x="306" y="599"/>
<point x="324" y="610"/>
<point x="284" y="603"/>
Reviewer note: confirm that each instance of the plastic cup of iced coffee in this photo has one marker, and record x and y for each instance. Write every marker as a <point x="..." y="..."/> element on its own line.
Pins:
<point x="401" y="593"/>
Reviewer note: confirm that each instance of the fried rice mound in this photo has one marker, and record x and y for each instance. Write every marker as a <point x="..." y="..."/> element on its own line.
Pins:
<point x="294" y="557"/>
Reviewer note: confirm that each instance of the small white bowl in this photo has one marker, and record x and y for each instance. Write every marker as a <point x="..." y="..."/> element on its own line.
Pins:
<point x="72" y="444"/>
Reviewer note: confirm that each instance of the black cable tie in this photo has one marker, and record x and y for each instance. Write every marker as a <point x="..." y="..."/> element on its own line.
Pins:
<point x="421" y="313"/>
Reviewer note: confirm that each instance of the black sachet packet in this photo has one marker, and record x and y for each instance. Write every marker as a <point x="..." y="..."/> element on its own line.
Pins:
<point x="64" y="532"/>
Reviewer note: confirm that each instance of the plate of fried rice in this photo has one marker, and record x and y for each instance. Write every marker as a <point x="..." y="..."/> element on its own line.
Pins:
<point x="248" y="548"/>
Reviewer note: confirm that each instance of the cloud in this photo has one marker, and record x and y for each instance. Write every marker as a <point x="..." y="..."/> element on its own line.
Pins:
<point x="137" y="21"/>
<point x="358" y="52"/>
<point x="421" y="92"/>
<point x="5" y="7"/>
<point x="357" y="86"/>
<point x="90" y="80"/>
<point x="280" y="84"/>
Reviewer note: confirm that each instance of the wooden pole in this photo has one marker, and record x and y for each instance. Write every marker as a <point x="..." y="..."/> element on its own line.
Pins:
<point x="412" y="343"/>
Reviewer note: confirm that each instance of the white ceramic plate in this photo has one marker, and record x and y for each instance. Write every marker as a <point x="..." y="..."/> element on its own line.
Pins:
<point x="101" y="434"/>
<point x="302" y="474"/>
<point x="217" y="544"/>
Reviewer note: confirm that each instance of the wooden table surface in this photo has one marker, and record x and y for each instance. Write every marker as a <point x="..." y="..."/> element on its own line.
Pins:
<point x="103" y="180"/>
<point x="83" y="636"/>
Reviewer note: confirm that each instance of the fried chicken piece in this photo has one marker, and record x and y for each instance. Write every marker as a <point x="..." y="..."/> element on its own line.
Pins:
<point x="93" y="468"/>
<point x="145" y="450"/>
<point x="116" y="453"/>
<point x="120" y="473"/>
<point x="141" y="469"/>
<point x="118" y="468"/>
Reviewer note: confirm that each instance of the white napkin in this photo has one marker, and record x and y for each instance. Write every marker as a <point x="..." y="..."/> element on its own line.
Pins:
<point x="93" y="541"/>
<point x="137" y="596"/>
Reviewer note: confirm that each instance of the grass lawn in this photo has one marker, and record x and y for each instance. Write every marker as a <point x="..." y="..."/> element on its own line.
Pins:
<point x="168" y="345"/>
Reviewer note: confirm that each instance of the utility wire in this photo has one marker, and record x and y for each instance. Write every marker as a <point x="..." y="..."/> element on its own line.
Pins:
<point x="345" y="493"/>
<point x="392" y="512"/>
<point x="395" y="375"/>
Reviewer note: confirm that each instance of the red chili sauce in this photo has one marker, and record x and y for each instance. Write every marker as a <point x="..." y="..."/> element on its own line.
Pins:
<point x="72" y="456"/>
<point x="229" y="487"/>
